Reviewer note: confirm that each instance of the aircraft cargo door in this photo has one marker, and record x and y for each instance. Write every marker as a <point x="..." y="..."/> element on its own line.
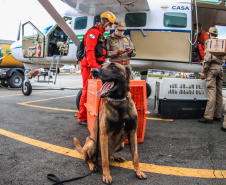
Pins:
<point x="162" y="46"/>
<point x="33" y="41"/>
<point x="165" y="41"/>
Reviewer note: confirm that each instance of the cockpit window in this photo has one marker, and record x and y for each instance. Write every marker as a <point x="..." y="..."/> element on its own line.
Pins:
<point x="47" y="29"/>
<point x="136" y="19"/>
<point x="29" y="30"/>
<point x="175" y="19"/>
<point x="80" y="23"/>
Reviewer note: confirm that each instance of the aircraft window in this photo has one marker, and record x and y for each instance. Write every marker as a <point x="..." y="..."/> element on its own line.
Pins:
<point x="29" y="30"/>
<point x="173" y="19"/>
<point x="80" y="23"/>
<point x="136" y="19"/>
<point x="68" y="20"/>
<point x="96" y="19"/>
<point x="47" y="29"/>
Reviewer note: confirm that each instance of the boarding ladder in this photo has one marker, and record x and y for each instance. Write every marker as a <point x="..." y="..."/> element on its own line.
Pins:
<point x="52" y="69"/>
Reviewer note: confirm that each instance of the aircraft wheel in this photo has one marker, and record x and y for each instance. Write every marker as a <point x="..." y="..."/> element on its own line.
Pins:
<point x="78" y="97"/>
<point x="16" y="80"/>
<point x="27" y="88"/>
<point x="148" y="89"/>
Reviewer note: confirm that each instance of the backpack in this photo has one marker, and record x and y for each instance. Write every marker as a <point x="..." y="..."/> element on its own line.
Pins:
<point x="81" y="52"/>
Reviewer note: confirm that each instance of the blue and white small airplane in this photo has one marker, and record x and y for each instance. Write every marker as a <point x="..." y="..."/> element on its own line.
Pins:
<point x="161" y="30"/>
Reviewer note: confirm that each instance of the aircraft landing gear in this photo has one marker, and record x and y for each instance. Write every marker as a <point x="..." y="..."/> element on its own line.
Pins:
<point x="148" y="89"/>
<point x="78" y="97"/>
<point x="26" y="87"/>
<point x="143" y="76"/>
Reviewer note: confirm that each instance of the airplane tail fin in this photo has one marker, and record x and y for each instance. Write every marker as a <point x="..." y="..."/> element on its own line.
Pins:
<point x="18" y="34"/>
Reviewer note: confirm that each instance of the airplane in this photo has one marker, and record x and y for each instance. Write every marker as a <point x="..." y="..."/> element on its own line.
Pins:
<point x="162" y="32"/>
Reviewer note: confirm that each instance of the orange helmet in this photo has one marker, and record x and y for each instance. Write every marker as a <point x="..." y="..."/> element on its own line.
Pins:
<point x="109" y="15"/>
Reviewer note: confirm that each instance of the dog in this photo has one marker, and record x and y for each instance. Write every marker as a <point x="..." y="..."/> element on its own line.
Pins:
<point x="117" y="121"/>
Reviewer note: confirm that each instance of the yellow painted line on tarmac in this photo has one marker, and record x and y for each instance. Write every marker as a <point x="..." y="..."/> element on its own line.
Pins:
<point x="160" y="119"/>
<point x="50" y="108"/>
<point x="67" y="110"/>
<point x="43" y="145"/>
<point x="11" y="95"/>
<point x="152" y="168"/>
<point x="49" y="99"/>
<point x="21" y="94"/>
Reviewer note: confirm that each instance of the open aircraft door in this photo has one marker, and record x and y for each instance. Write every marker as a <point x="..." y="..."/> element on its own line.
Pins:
<point x="33" y="41"/>
<point x="165" y="38"/>
<point x="162" y="46"/>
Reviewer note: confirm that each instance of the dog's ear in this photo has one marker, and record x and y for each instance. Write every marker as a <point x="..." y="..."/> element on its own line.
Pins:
<point x="128" y="73"/>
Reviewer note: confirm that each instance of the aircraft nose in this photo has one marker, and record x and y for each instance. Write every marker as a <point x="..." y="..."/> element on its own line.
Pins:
<point x="16" y="49"/>
<point x="95" y="72"/>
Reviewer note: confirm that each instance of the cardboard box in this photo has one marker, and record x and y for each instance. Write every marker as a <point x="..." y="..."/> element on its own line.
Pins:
<point x="217" y="47"/>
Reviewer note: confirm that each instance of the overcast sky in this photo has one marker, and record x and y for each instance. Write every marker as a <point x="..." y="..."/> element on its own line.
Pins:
<point x="14" y="11"/>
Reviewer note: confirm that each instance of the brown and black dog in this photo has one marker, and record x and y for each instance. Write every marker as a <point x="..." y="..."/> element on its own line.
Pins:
<point x="117" y="121"/>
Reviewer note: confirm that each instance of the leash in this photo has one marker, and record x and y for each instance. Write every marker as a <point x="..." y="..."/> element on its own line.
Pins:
<point x="56" y="179"/>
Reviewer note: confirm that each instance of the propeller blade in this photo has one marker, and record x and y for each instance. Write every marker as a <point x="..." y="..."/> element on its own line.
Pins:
<point x="60" y="21"/>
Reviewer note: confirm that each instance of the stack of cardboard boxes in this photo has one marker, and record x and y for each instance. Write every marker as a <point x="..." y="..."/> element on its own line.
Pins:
<point x="217" y="47"/>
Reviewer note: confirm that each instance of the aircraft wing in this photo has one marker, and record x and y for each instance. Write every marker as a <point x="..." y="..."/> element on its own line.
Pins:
<point x="211" y="13"/>
<point x="220" y="5"/>
<point x="60" y="21"/>
<point x="96" y="7"/>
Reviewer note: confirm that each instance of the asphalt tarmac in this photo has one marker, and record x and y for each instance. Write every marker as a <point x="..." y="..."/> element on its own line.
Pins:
<point x="36" y="135"/>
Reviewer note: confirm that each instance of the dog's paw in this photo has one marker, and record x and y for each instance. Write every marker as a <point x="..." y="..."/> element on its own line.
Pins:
<point x="118" y="159"/>
<point x="141" y="175"/>
<point x="91" y="166"/>
<point x="107" y="179"/>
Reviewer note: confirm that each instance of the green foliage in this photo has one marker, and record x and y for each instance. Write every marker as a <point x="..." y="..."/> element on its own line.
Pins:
<point x="153" y="75"/>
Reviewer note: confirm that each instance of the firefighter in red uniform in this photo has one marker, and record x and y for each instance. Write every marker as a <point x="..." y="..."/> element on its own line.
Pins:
<point x="95" y="56"/>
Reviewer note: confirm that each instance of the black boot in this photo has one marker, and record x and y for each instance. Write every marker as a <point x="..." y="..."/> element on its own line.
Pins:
<point x="83" y="123"/>
<point x="217" y="119"/>
<point x="223" y="129"/>
<point x="205" y="120"/>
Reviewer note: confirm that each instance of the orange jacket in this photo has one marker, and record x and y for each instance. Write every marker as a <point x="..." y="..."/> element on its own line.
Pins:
<point x="91" y="39"/>
<point x="202" y="38"/>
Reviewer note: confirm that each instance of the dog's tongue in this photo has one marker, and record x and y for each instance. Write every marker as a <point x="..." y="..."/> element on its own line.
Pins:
<point x="104" y="88"/>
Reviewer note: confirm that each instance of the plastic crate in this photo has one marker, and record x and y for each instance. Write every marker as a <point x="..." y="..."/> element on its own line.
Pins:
<point x="180" y="98"/>
<point x="182" y="89"/>
<point x="94" y="85"/>
<point x="138" y="92"/>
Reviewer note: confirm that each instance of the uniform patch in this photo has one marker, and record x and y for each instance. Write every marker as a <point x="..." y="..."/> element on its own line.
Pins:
<point x="92" y="36"/>
<point x="205" y="46"/>
<point x="125" y="39"/>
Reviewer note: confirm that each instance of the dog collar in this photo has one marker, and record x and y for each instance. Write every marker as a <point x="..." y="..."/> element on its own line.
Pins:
<point x="123" y="99"/>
